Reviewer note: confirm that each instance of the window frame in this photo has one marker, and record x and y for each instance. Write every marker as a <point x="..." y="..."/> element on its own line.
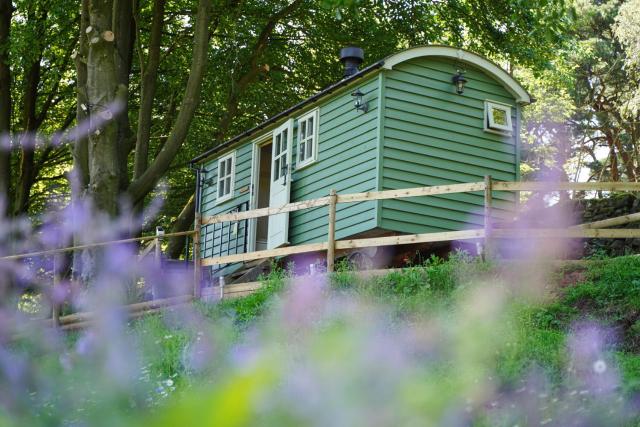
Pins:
<point x="232" y="174"/>
<point x="316" y="133"/>
<point x="490" y="125"/>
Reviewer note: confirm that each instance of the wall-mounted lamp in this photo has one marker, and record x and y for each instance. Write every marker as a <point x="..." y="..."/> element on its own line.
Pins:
<point x="459" y="81"/>
<point x="358" y="101"/>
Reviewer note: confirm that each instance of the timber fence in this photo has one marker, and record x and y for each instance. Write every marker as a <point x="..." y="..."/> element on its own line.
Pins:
<point x="79" y="320"/>
<point x="488" y="233"/>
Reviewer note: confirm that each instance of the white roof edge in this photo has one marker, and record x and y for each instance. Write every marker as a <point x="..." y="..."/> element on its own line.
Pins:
<point x="520" y="94"/>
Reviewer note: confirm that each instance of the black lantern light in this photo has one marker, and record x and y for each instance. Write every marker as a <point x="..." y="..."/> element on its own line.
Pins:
<point x="358" y="102"/>
<point x="459" y="81"/>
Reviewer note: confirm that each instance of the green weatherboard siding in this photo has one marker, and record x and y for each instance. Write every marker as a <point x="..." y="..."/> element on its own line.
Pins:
<point x="417" y="132"/>
<point x="216" y="240"/>
<point x="347" y="158"/>
<point x="433" y="136"/>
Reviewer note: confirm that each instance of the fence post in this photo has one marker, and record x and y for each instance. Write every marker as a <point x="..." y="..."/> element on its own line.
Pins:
<point x="55" y="308"/>
<point x="488" y="199"/>
<point x="331" y="240"/>
<point x="158" y="248"/>
<point x="197" y="261"/>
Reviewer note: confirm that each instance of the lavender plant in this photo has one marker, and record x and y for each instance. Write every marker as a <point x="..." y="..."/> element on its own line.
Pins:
<point x="312" y="353"/>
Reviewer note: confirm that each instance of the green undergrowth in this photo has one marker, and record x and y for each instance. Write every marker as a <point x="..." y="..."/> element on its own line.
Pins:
<point x="606" y="292"/>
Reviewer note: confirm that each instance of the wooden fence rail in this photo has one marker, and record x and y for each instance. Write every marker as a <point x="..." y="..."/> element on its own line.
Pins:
<point x="488" y="232"/>
<point x="94" y="245"/>
<point x="488" y="186"/>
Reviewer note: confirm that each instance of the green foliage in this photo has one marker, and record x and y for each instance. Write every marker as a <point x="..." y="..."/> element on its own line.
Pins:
<point x="253" y="72"/>
<point x="531" y="345"/>
<point x="629" y="364"/>
<point x="474" y="340"/>
<point x="246" y="309"/>
<point x="162" y="345"/>
<point x="610" y="294"/>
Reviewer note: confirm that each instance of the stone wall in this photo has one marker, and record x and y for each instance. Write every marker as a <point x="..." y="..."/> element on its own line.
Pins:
<point x="591" y="210"/>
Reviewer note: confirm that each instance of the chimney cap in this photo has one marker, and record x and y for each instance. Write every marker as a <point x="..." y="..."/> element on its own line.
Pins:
<point x="352" y="52"/>
<point x="351" y="57"/>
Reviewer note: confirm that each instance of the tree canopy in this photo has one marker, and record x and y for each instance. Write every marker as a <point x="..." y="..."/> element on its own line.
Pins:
<point x="152" y="83"/>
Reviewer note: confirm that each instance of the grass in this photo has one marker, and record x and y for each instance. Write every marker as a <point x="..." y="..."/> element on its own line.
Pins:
<point x="605" y="291"/>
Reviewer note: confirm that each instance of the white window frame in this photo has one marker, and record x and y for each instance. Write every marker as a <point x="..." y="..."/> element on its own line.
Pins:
<point x="314" y="156"/>
<point x="232" y="174"/>
<point x="490" y="125"/>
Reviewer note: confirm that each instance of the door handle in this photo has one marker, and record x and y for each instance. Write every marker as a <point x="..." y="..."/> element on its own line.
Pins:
<point x="284" y="172"/>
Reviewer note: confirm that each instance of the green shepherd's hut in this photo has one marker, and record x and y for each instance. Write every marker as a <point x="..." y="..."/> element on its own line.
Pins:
<point x="424" y="116"/>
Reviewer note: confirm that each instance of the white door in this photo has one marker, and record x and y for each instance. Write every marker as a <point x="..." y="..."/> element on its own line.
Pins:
<point x="280" y="184"/>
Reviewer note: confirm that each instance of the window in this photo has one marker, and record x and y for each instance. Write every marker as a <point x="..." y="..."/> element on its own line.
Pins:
<point x="307" y="139"/>
<point x="226" y="172"/>
<point x="497" y="117"/>
<point x="280" y="151"/>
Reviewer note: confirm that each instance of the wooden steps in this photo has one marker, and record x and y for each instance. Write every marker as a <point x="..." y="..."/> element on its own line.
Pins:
<point x="250" y="271"/>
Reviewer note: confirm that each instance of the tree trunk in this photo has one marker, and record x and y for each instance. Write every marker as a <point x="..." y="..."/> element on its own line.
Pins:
<point x="102" y="94"/>
<point x="80" y="149"/>
<point x="148" y="91"/>
<point x="253" y="69"/>
<point x="28" y="138"/>
<point x="627" y="161"/>
<point x="141" y="186"/>
<point x="6" y="10"/>
<point x="184" y="222"/>
<point x="124" y="29"/>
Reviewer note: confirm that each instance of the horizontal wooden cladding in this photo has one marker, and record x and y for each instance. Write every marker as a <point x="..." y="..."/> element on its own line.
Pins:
<point x="567" y="233"/>
<point x="475" y="89"/>
<point x="566" y="186"/>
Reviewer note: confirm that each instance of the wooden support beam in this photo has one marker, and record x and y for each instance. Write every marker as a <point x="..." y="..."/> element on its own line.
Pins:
<point x="131" y="309"/>
<point x="55" y="307"/>
<point x="566" y="186"/>
<point x="241" y="287"/>
<point x="568" y="233"/>
<point x="411" y="192"/>
<point x="249" y="256"/>
<point x="407" y="239"/>
<point x="611" y="222"/>
<point x="347" y="198"/>
<point x="197" y="260"/>
<point x="150" y="246"/>
<point x="92" y="245"/>
<point x="257" y="213"/>
<point x="487" y="251"/>
<point x="331" y="240"/>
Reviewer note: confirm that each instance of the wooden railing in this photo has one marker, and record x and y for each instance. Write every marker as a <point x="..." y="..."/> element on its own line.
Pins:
<point x="487" y="233"/>
<point x="78" y="320"/>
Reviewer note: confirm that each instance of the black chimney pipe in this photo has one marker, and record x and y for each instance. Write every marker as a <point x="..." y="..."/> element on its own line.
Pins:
<point x="351" y="57"/>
